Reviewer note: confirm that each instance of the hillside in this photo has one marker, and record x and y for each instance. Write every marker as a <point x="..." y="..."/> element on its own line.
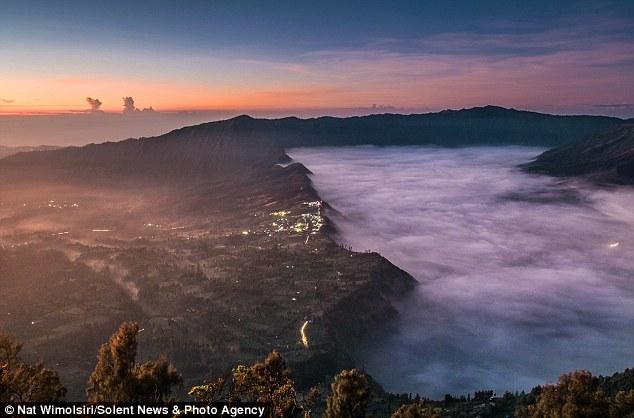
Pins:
<point x="490" y="125"/>
<point x="218" y="252"/>
<point x="607" y="157"/>
<point x="197" y="152"/>
<point x="6" y="151"/>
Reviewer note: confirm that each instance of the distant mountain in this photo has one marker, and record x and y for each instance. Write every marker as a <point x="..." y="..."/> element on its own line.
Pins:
<point x="243" y="143"/>
<point x="190" y="154"/>
<point x="489" y="125"/>
<point x="606" y="157"/>
<point x="6" y="151"/>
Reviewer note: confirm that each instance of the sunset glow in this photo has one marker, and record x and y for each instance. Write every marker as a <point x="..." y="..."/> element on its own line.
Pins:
<point x="209" y="58"/>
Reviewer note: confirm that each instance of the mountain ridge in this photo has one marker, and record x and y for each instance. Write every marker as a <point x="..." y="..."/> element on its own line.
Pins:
<point x="472" y="126"/>
<point x="5" y="151"/>
<point x="603" y="158"/>
<point x="196" y="153"/>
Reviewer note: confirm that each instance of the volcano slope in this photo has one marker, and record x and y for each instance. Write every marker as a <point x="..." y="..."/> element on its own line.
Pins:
<point x="606" y="158"/>
<point x="220" y="254"/>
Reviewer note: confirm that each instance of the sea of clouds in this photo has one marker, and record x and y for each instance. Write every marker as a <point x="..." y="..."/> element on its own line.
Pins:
<point x="522" y="277"/>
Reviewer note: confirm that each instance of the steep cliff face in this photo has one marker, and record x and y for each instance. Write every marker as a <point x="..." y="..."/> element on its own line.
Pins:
<point x="370" y="306"/>
<point x="363" y="300"/>
<point x="356" y="316"/>
<point x="607" y="158"/>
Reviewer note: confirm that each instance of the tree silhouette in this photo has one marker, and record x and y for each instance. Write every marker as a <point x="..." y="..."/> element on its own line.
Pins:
<point x="117" y="377"/>
<point x="622" y="406"/>
<point x="24" y="382"/>
<point x="213" y="391"/>
<point x="416" y="410"/>
<point x="268" y="381"/>
<point x="576" y="395"/>
<point x="154" y="380"/>
<point x="350" y="395"/>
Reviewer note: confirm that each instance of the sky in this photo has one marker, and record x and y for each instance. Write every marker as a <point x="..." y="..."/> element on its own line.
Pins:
<point x="410" y="56"/>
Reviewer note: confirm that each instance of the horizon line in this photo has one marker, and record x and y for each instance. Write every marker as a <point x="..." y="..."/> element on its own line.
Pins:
<point x="381" y="110"/>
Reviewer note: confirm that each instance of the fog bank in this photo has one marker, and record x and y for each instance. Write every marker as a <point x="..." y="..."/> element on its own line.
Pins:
<point x="522" y="277"/>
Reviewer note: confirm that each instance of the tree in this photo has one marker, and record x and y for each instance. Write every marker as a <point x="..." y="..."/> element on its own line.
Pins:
<point x="309" y="401"/>
<point x="576" y="395"/>
<point x="622" y="406"/>
<point x="4" y="389"/>
<point x="416" y="410"/>
<point x="154" y="380"/>
<point x="24" y="382"/>
<point x="117" y="377"/>
<point x="350" y="395"/>
<point x="483" y="395"/>
<point x="213" y="391"/>
<point x="268" y="381"/>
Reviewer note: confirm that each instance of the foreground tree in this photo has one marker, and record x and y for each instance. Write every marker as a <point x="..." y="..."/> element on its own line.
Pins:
<point x="117" y="377"/>
<point x="3" y="387"/>
<point x="350" y="395"/>
<point x="214" y="391"/>
<point x="268" y="381"/>
<point x="416" y="410"/>
<point x="576" y="395"/>
<point x="24" y="382"/>
<point x="622" y="406"/>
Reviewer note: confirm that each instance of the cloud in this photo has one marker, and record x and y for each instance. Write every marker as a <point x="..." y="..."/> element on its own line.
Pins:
<point x="7" y="101"/>
<point x="575" y="63"/>
<point x="515" y="289"/>
<point x="95" y="104"/>
<point x="464" y="71"/>
<point x="128" y="105"/>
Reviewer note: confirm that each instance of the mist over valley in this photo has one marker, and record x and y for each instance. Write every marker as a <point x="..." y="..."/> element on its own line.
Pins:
<point x="522" y="277"/>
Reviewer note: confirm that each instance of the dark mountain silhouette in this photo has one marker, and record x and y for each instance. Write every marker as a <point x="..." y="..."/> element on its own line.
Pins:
<point x="6" y="151"/>
<point x="606" y="157"/>
<point x="190" y="154"/>
<point x="490" y="125"/>
<point x="244" y="144"/>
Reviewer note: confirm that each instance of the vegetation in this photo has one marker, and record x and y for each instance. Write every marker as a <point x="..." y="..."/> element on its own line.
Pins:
<point x="605" y="157"/>
<point x="579" y="395"/>
<point x="417" y="410"/>
<point x="117" y="377"/>
<point x="350" y="395"/>
<point x="623" y="404"/>
<point x="268" y="381"/>
<point x="214" y="391"/>
<point x="20" y="381"/>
